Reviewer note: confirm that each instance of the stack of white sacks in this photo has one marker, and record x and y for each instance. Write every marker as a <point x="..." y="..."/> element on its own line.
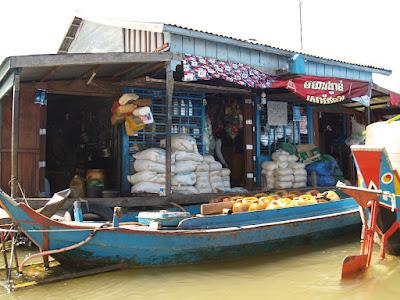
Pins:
<point x="191" y="172"/>
<point x="283" y="172"/>
<point x="150" y="171"/>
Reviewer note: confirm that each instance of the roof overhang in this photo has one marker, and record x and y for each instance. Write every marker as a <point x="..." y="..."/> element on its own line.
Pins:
<point x="41" y="68"/>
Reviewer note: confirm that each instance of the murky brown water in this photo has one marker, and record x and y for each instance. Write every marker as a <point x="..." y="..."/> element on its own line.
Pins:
<point x="310" y="272"/>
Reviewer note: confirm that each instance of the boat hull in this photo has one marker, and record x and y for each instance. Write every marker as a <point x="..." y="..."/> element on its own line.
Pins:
<point x="149" y="249"/>
<point x="194" y="240"/>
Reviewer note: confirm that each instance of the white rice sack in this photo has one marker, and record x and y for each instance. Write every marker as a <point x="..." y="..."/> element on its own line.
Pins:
<point x="280" y="156"/>
<point x="299" y="184"/>
<point x="204" y="189"/>
<point x="202" y="174"/>
<point x="225" y="172"/>
<point x="269" y="186"/>
<point x="282" y="164"/>
<point x="215" y="166"/>
<point x="182" y="142"/>
<point x="148" y="176"/>
<point x="147" y="187"/>
<point x="185" y="166"/>
<point x="296" y="165"/>
<point x="203" y="167"/>
<point x="184" y="189"/>
<point x="279" y="172"/>
<point x="183" y="156"/>
<point x="202" y="180"/>
<point x="269" y="165"/>
<point x="283" y="185"/>
<point x="288" y="178"/>
<point x="184" y="179"/>
<point x="209" y="159"/>
<point x="293" y="158"/>
<point x="299" y="172"/>
<point x="215" y="174"/>
<point x="269" y="179"/>
<point x="267" y="172"/>
<point x="148" y="165"/>
<point x="153" y="154"/>
<point x="300" y="179"/>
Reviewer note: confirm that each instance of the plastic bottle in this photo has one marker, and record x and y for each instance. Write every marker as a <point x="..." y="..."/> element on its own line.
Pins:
<point x="190" y="108"/>
<point x="183" y="108"/>
<point x="175" y="108"/>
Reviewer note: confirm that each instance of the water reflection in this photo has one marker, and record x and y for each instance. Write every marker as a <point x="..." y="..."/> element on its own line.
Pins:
<point x="308" y="272"/>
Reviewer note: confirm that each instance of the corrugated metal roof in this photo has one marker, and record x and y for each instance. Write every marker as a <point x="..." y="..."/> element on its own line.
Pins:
<point x="74" y="28"/>
<point x="288" y="52"/>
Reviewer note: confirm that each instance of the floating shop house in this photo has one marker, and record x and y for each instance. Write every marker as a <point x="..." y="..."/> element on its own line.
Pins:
<point x="55" y="109"/>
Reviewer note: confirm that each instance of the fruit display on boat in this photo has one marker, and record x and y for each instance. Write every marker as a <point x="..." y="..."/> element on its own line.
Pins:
<point x="277" y="200"/>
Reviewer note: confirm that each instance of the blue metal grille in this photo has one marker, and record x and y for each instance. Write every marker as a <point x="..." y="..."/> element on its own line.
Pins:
<point x="188" y="117"/>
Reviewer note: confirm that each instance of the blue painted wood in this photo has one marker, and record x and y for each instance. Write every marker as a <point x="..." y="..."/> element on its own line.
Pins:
<point x="132" y="245"/>
<point x="222" y="51"/>
<point x="297" y="64"/>
<point x="310" y="124"/>
<point x="199" y="47"/>
<point x="211" y="49"/>
<point x="255" y="58"/>
<point x="320" y="70"/>
<point x="276" y="215"/>
<point x="233" y="54"/>
<point x="283" y="62"/>
<point x="176" y="43"/>
<point x="312" y="68"/>
<point x="188" y="45"/>
<point x="339" y="72"/>
<point x="328" y="71"/>
<point x="125" y="158"/>
<point x="245" y="56"/>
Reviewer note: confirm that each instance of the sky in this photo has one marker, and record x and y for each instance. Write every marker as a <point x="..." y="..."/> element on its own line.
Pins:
<point x="359" y="31"/>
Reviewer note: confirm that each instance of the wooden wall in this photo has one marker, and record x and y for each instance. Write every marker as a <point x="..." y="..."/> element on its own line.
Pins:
<point x="259" y="59"/>
<point x="29" y="143"/>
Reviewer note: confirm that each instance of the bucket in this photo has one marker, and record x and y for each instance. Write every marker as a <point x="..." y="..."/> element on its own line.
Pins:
<point x="94" y="188"/>
<point x="385" y="134"/>
<point x="96" y="174"/>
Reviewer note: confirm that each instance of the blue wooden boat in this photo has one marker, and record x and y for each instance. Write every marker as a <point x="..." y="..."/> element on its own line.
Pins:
<point x="195" y="239"/>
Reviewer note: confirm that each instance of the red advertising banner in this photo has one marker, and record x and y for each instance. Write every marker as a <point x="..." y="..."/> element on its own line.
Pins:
<point x="326" y="90"/>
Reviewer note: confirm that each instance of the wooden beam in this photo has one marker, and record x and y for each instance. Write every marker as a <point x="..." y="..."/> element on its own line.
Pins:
<point x="89" y="72"/>
<point x="4" y="68"/>
<point x="7" y="85"/>
<point x="49" y="73"/>
<point x="75" y="59"/>
<point x="381" y="90"/>
<point x="98" y="88"/>
<point x="169" y="85"/>
<point x="152" y="82"/>
<point x="126" y="70"/>
<point x="14" y="134"/>
<point x="146" y="69"/>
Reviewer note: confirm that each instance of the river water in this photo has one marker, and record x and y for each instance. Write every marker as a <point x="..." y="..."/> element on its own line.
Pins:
<point x="308" y="272"/>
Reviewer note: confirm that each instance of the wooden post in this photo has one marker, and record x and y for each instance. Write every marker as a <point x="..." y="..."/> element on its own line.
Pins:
<point x="169" y="93"/>
<point x="367" y="115"/>
<point x="14" y="134"/>
<point x="249" y="170"/>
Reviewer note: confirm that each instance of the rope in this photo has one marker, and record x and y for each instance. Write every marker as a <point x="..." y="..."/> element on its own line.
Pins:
<point x="48" y="230"/>
<point x="15" y="179"/>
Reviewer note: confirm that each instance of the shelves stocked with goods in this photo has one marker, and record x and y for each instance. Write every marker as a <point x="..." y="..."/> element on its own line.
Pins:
<point x="188" y="117"/>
